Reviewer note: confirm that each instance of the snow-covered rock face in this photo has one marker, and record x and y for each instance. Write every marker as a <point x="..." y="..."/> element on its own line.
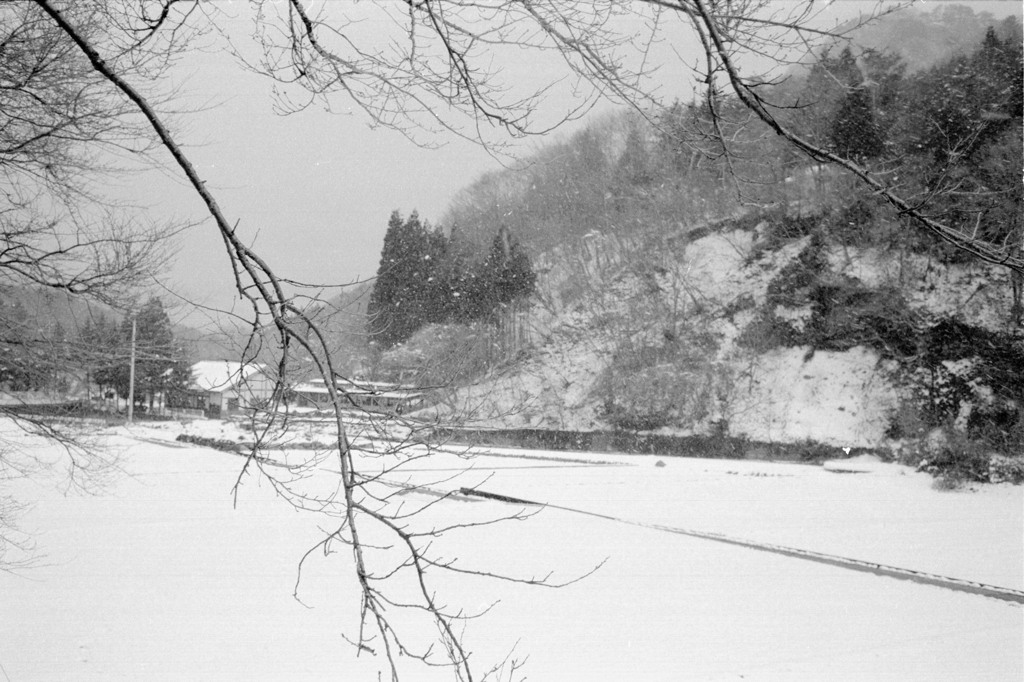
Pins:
<point x="978" y="293"/>
<point x="841" y="399"/>
<point x="609" y="293"/>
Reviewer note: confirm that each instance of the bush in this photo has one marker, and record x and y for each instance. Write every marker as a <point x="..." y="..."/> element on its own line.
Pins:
<point x="791" y="288"/>
<point x="969" y="371"/>
<point x="738" y="305"/>
<point x="907" y="422"/>
<point x="648" y="398"/>
<point x="846" y="314"/>
<point x="961" y="460"/>
<point x="441" y="355"/>
<point x="1003" y="469"/>
<point x="858" y="224"/>
<point x="952" y="457"/>
<point x="812" y="451"/>
<point x="768" y="331"/>
<point x="636" y="418"/>
<point x="780" y="228"/>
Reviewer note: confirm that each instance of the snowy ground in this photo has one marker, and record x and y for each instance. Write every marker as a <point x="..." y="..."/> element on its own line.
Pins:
<point x="158" y="577"/>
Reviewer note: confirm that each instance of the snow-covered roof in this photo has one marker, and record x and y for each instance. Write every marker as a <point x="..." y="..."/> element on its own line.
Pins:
<point x="315" y="386"/>
<point x="220" y="375"/>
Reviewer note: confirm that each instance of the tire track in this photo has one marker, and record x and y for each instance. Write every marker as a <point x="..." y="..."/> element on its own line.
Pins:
<point x="956" y="584"/>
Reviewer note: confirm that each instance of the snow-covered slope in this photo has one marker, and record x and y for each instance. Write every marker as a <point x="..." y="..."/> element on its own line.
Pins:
<point x="680" y="321"/>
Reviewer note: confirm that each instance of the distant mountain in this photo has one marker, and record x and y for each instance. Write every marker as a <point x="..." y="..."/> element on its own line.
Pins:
<point x="48" y="308"/>
<point x="925" y="38"/>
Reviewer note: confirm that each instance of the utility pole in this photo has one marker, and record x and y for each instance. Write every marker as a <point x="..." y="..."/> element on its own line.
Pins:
<point x="131" y="376"/>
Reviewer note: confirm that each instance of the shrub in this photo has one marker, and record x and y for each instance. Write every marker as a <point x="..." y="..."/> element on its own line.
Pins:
<point x="635" y="419"/>
<point x="792" y="286"/>
<point x="812" y="451"/>
<point x="907" y="422"/>
<point x="655" y="396"/>
<point x="647" y="386"/>
<point x="739" y="304"/>
<point x="963" y="370"/>
<point x="780" y="228"/>
<point x="844" y="313"/>
<point x="953" y="458"/>
<point x="1003" y="469"/>
<point x="768" y="331"/>
<point x="855" y="224"/>
<point x="440" y="355"/>
<point x="847" y="314"/>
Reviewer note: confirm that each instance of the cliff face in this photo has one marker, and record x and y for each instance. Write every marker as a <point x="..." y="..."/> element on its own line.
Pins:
<point x="747" y="329"/>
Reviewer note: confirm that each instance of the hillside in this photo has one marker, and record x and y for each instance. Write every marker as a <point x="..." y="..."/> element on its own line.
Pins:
<point x="692" y="274"/>
<point x="737" y="329"/>
<point x="748" y="293"/>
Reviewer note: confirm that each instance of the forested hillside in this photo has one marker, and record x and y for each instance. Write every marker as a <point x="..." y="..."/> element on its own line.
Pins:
<point x="756" y="293"/>
<point x="937" y="127"/>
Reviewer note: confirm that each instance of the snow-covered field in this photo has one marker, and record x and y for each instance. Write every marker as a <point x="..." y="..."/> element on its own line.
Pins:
<point x="159" y="577"/>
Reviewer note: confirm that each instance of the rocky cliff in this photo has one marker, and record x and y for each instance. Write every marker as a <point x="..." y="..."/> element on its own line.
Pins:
<point x="767" y="326"/>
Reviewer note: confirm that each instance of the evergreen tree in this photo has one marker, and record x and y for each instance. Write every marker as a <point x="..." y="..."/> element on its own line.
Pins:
<point x="634" y="166"/>
<point x="883" y="78"/>
<point x="101" y="352"/>
<point x="158" y="359"/>
<point x="961" y="139"/>
<point x="454" y="277"/>
<point x="854" y="131"/>
<point x="511" y="273"/>
<point x="409" y="289"/>
<point x="505" y="275"/>
<point x="19" y="364"/>
<point x="830" y="81"/>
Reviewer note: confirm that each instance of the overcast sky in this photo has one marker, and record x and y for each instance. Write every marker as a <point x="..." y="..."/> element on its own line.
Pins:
<point x="313" y="190"/>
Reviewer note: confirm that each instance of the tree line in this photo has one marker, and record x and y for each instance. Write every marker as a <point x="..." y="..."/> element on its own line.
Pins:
<point x="951" y="133"/>
<point x="42" y="355"/>
<point x="428" y="277"/>
<point x="947" y="136"/>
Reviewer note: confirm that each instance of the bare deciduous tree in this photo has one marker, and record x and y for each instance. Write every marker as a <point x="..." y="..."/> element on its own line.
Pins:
<point x="58" y="231"/>
<point x="61" y="137"/>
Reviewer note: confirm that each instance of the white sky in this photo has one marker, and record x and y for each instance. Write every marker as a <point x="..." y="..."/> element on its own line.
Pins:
<point x="313" y="191"/>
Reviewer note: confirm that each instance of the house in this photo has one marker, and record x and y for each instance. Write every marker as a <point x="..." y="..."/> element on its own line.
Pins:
<point x="220" y="387"/>
<point x="373" y="396"/>
<point x="312" y="394"/>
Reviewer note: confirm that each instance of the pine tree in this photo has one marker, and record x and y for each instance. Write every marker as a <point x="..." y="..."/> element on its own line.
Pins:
<point x="409" y="289"/>
<point x="830" y="81"/>
<point x="157" y="356"/>
<point x="384" y="308"/>
<point x="100" y="352"/>
<point x="854" y="131"/>
<point x="961" y="138"/>
<point x="512" y="273"/>
<point x="19" y="366"/>
<point x="504" y="276"/>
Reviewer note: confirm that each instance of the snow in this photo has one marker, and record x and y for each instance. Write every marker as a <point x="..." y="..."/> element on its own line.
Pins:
<point x="160" y="577"/>
<point x="838" y="398"/>
<point x="217" y="375"/>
